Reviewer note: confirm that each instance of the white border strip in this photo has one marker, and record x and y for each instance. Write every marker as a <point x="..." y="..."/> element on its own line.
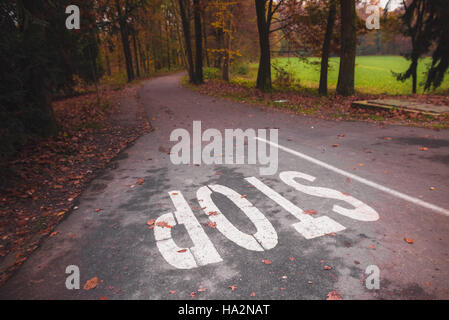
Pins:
<point x="360" y="179"/>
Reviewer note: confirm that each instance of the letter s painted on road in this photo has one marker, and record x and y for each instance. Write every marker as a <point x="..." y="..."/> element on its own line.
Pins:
<point x="361" y="211"/>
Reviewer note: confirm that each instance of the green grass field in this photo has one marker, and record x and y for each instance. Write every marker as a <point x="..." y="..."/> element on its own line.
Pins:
<point x="373" y="74"/>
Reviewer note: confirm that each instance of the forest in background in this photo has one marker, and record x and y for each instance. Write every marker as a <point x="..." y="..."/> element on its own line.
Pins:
<point x="124" y="40"/>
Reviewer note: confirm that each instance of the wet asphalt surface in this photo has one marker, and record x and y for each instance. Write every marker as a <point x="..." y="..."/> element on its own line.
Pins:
<point x="117" y="246"/>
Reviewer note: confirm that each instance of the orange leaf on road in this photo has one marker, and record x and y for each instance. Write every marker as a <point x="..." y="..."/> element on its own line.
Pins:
<point x="163" y="224"/>
<point x="333" y="295"/>
<point x="311" y="212"/>
<point x="91" y="284"/>
<point x="211" y="224"/>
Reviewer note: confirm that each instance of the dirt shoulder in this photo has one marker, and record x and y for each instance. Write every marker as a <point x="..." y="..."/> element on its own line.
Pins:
<point x="40" y="185"/>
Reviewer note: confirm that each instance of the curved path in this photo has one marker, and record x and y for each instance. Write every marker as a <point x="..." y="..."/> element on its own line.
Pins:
<point x="266" y="237"/>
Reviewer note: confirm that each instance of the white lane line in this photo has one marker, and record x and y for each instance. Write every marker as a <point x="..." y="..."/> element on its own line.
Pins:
<point x="375" y="185"/>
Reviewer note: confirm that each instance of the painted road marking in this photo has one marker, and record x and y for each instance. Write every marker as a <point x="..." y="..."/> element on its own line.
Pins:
<point x="265" y="237"/>
<point x="202" y="253"/>
<point x="361" y="211"/>
<point x="308" y="226"/>
<point x="375" y="185"/>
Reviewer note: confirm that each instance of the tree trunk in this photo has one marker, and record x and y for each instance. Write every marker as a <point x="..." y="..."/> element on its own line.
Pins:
<point x="206" y="54"/>
<point x="346" y="74"/>
<point x="198" y="42"/>
<point x="218" y="61"/>
<point x="414" y="75"/>
<point x="225" y="70"/>
<point x="225" y="73"/>
<point x="263" y="26"/>
<point x="125" y="42"/>
<point x="187" y="39"/>
<point x="108" y="61"/>
<point x="326" y="48"/>
<point x="38" y="89"/>
<point x="136" y="60"/>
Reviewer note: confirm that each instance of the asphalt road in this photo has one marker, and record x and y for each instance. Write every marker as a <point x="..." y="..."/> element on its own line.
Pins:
<point x="257" y="252"/>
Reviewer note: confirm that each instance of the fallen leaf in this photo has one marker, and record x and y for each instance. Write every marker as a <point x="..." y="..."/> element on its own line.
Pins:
<point x="333" y="295"/>
<point x="182" y="250"/>
<point x="212" y="213"/>
<point x="267" y="261"/>
<point x="163" y="224"/>
<point x="423" y="149"/>
<point x="327" y="268"/>
<point x="292" y="259"/>
<point x="150" y="222"/>
<point x="336" y="145"/>
<point x="192" y="294"/>
<point x="211" y="224"/>
<point x="311" y="212"/>
<point x="409" y="240"/>
<point x="54" y="233"/>
<point x="91" y="284"/>
<point x="233" y="287"/>
<point x="202" y="289"/>
<point x="253" y="294"/>
<point x="98" y="210"/>
<point x="140" y="181"/>
<point x="20" y="261"/>
<point x="172" y="291"/>
<point x="104" y="298"/>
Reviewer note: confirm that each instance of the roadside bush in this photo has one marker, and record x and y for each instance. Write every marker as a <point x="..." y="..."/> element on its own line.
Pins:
<point x="211" y="73"/>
